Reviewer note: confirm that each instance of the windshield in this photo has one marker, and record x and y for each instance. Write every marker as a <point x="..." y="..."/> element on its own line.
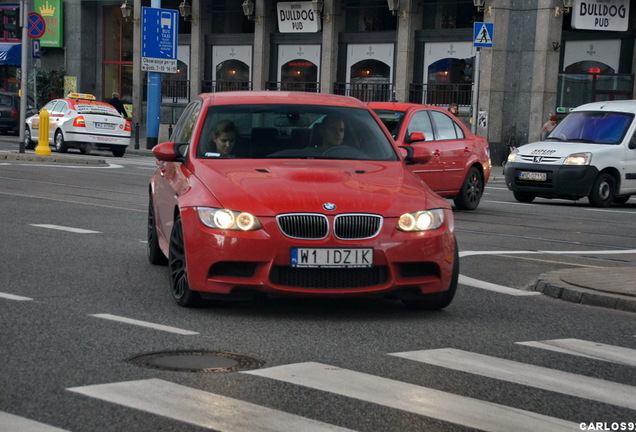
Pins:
<point x="293" y="131"/>
<point x="593" y="127"/>
<point x="391" y="119"/>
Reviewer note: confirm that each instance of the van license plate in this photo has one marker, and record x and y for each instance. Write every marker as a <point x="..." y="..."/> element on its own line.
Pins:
<point x="332" y="257"/>
<point x="533" y="176"/>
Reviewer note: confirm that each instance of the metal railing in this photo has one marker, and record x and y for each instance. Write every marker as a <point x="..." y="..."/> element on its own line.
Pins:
<point x="209" y="86"/>
<point x="442" y="94"/>
<point x="366" y="92"/>
<point x="310" y="86"/>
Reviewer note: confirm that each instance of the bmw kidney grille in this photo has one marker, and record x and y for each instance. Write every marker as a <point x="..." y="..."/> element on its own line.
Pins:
<point x="310" y="226"/>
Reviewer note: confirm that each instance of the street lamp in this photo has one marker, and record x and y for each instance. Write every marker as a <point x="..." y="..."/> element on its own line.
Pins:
<point x="248" y="9"/>
<point x="394" y="6"/>
<point x="126" y="11"/>
<point x="185" y="10"/>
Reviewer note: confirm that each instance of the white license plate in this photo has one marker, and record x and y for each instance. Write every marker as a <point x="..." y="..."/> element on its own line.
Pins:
<point x="109" y="126"/>
<point x="332" y="257"/>
<point x="534" y="176"/>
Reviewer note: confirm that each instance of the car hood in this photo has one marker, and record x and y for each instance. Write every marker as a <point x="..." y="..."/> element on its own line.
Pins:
<point x="560" y="149"/>
<point x="270" y="187"/>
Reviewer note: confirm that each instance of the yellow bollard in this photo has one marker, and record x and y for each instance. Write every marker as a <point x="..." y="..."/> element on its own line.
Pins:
<point x="43" y="137"/>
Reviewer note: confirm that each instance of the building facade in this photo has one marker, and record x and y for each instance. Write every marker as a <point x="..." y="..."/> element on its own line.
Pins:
<point x="541" y="56"/>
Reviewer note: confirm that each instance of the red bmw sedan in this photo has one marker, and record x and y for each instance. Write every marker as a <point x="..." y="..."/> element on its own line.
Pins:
<point x="459" y="167"/>
<point x="295" y="194"/>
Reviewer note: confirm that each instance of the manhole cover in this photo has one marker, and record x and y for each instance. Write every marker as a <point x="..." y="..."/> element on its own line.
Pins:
<point x="197" y="361"/>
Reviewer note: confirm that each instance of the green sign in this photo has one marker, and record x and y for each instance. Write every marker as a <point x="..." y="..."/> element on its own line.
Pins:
<point x="52" y="12"/>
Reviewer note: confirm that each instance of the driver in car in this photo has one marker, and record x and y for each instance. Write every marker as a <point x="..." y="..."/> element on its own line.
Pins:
<point x="332" y="132"/>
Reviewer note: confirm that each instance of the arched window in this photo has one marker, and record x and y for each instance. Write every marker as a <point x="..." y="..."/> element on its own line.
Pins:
<point x="232" y="75"/>
<point x="371" y="81"/>
<point x="299" y="75"/>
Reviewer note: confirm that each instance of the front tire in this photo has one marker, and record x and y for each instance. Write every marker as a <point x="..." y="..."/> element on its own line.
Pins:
<point x="603" y="190"/>
<point x="60" y="145"/>
<point x="471" y="191"/>
<point x="437" y="301"/>
<point x="524" y="197"/>
<point x="29" y="144"/>
<point x="119" y="152"/>
<point x="178" y="270"/>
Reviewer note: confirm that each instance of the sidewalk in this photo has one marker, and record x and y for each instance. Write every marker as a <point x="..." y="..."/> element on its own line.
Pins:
<point x="613" y="288"/>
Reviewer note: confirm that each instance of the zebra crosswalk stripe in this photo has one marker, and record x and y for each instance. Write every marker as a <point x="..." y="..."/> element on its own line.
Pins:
<point x="13" y="423"/>
<point x="424" y="401"/>
<point x="583" y="348"/>
<point x="201" y="408"/>
<point x="534" y="376"/>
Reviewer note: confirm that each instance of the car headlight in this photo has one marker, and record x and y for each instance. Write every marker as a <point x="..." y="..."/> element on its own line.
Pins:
<point x="578" y="159"/>
<point x="422" y="220"/>
<point x="512" y="157"/>
<point x="228" y="219"/>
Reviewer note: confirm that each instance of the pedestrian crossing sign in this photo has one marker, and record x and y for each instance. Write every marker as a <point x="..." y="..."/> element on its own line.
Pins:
<point x="483" y="33"/>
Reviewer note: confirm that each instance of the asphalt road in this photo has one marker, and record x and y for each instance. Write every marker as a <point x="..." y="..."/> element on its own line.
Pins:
<point x="79" y="300"/>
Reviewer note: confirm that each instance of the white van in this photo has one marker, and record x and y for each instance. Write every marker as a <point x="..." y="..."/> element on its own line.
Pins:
<point x="591" y="153"/>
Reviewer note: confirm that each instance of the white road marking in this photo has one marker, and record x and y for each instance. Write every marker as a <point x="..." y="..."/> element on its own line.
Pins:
<point x="583" y="348"/>
<point x="67" y="229"/>
<point x="201" y="408"/>
<point x="14" y="297"/>
<point x="529" y="375"/>
<point x="424" y="401"/>
<point x="145" y="324"/>
<point x="476" y="283"/>
<point x="13" y="423"/>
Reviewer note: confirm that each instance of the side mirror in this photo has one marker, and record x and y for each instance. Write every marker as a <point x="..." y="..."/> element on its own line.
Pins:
<point x="414" y="155"/>
<point x="415" y="137"/>
<point x="632" y="142"/>
<point x="170" y="151"/>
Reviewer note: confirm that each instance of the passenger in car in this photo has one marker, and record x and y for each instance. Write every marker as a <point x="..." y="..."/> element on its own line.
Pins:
<point x="224" y="137"/>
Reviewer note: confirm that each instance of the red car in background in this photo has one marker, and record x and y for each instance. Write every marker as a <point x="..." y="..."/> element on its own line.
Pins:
<point x="459" y="167"/>
<point x="295" y="194"/>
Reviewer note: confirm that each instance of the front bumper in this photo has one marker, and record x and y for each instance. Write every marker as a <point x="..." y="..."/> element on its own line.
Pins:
<point x="232" y="263"/>
<point x="561" y="181"/>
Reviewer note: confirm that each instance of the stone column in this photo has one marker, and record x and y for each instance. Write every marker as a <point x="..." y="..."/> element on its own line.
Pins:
<point x="332" y="25"/>
<point x="518" y="79"/>
<point x="405" y="48"/>
<point x="264" y="23"/>
<point x="200" y="21"/>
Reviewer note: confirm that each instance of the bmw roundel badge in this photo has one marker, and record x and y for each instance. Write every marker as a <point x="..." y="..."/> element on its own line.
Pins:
<point x="329" y="206"/>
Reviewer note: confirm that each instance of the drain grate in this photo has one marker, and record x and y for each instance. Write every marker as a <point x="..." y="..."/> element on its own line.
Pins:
<point x="197" y="361"/>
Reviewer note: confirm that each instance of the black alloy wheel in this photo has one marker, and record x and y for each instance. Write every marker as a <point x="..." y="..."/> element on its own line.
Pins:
<point x="471" y="191"/>
<point x="178" y="269"/>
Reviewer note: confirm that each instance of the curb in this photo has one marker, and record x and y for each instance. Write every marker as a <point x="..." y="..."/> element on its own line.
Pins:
<point x="53" y="158"/>
<point x="552" y="285"/>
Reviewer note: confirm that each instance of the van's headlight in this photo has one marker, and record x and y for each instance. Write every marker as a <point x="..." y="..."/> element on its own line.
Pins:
<point x="512" y="156"/>
<point x="578" y="159"/>
<point x="424" y="220"/>
<point x="228" y="219"/>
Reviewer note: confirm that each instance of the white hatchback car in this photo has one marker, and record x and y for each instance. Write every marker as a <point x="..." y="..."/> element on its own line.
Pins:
<point x="79" y="121"/>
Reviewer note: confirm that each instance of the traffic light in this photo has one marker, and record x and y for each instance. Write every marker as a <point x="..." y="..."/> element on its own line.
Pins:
<point x="10" y="21"/>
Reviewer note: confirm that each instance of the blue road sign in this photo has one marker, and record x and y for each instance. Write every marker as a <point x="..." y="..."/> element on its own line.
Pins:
<point x="483" y="34"/>
<point x="37" y="26"/>
<point x="159" y="35"/>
